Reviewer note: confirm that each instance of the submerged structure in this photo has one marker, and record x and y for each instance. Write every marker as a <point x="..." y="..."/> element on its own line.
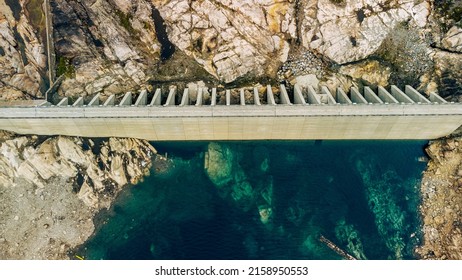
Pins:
<point x="238" y="114"/>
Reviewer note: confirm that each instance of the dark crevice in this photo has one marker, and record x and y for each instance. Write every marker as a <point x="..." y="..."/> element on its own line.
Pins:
<point x="15" y="8"/>
<point x="360" y="15"/>
<point x="353" y="41"/>
<point x="167" y="48"/>
<point x="2" y="51"/>
<point x="435" y="46"/>
<point x="22" y="45"/>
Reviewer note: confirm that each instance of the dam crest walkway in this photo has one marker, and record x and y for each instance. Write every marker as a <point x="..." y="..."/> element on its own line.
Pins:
<point x="260" y="113"/>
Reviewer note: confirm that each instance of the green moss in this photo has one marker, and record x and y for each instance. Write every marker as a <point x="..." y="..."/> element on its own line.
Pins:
<point x="65" y="67"/>
<point x="35" y="14"/>
<point x="124" y="20"/>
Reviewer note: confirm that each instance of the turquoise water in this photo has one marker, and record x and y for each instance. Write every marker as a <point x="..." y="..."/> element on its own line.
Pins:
<point x="361" y="195"/>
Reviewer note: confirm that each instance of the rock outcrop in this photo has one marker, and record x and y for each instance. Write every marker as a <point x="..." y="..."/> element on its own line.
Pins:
<point x="22" y="54"/>
<point x="104" y="46"/>
<point x="452" y="40"/>
<point x="441" y="206"/>
<point x="222" y="165"/>
<point x="232" y="38"/>
<point x="347" y="31"/>
<point x="51" y="190"/>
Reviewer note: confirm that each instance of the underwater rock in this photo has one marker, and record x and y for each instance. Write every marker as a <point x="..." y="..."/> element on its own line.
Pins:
<point x="350" y="236"/>
<point x="56" y="186"/>
<point x="218" y="164"/>
<point x="265" y="214"/>
<point x="384" y="193"/>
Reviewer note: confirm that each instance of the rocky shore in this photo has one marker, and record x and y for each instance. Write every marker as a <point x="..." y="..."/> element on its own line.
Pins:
<point x="441" y="206"/>
<point x="51" y="189"/>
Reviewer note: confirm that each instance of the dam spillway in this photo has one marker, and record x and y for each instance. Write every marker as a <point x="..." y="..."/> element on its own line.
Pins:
<point x="302" y="113"/>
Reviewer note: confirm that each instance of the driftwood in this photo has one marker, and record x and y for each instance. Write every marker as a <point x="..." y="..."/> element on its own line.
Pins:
<point x="336" y="249"/>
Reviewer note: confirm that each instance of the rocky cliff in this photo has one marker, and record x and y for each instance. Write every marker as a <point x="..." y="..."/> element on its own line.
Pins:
<point x="50" y="189"/>
<point x="441" y="206"/>
<point x="113" y="46"/>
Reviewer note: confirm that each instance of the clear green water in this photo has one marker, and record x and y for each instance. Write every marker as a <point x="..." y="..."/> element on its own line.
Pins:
<point x="362" y="195"/>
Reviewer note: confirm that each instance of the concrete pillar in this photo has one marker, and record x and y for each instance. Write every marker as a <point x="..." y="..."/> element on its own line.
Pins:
<point x="213" y="102"/>
<point x="157" y="99"/>
<point x="171" y="97"/>
<point x="94" y="101"/>
<point x="415" y="95"/>
<point x="228" y="97"/>
<point x="242" y="97"/>
<point x="44" y="104"/>
<point x="399" y="95"/>
<point x="284" y="96"/>
<point x="342" y="98"/>
<point x="256" y="97"/>
<point x="386" y="96"/>
<point x="356" y="97"/>
<point x="63" y="102"/>
<point x="370" y="96"/>
<point x="142" y="98"/>
<point x="270" y="96"/>
<point x="313" y="97"/>
<point x="127" y="100"/>
<point x="199" y="97"/>
<point x="110" y="101"/>
<point x="330" y="98"/>
<point x="436" y="98"/>
<point x="298" y="96"/>
<point x="185" y="98"/>
<point x="78" y="102"/>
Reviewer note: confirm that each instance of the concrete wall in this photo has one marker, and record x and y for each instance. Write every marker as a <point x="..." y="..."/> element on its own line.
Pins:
<point x="158" y="123"/>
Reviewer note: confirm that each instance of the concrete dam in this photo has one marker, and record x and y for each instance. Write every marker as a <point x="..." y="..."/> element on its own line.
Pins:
<point x="263" y="113"/>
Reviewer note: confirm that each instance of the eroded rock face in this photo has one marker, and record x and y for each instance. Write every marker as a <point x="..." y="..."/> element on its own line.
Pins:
<point x="231" y="38"/>
<point x="448" y="75"/>
<point x="441" y="206"/>
<point x="110" y="45"/>
<point x="51" y="190"/>
<point x="453" y="39"/>
<point x="22" y="55"/>
<point x="348" y="30"/>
